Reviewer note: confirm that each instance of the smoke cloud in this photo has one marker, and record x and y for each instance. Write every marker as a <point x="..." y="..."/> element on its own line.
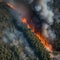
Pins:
<point x="45" y="12"/>
<point x="16" y="38"/>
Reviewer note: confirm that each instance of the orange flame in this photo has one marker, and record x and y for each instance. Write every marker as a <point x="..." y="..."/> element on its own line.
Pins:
<point x="11" y="6"/>
<point x="39" y="36"/>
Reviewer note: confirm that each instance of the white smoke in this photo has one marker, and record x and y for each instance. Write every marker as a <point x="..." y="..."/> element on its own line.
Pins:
<point x="47" y="14"/>
<point x="44" y="30"/>
<point x="44" y="10"/>
<point x="51" y="34"/>
<point x="16" y="38"/>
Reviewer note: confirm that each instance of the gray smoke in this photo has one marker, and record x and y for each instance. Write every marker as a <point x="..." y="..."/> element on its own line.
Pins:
<point x="47" y="14"/>
<point x="43" y="9"/>
<point x="16" y="38"/>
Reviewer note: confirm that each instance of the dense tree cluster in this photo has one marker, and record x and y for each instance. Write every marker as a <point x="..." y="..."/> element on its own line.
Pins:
<point x="56" y="25"/>
<point x="7" y="52"/>
<point x="34" y="43"/>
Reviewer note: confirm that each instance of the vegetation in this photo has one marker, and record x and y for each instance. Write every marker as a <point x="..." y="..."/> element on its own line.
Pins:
<point x="34" y="43"/>
<point x="56" y="27"/>
<point x="7" y="52"/>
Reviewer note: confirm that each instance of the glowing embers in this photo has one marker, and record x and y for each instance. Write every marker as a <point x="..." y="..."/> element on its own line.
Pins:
<point x="44" y="42"/>
<point x="38" y="35"/>
<point x="11" y="6"/>
<point x="24" y="20"/>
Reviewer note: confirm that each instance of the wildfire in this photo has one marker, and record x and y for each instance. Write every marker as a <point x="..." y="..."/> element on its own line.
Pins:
<point x="39" y="36"/>
<point x="11" y="6"/>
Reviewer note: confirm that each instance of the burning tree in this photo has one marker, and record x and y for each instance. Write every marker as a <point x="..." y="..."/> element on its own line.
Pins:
<point x="36" y="32"/>
<point x="8" y="48"/>
<point x="34" y="42"/>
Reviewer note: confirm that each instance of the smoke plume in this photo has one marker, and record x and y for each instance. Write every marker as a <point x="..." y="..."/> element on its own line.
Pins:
<point x="45" y="13"/>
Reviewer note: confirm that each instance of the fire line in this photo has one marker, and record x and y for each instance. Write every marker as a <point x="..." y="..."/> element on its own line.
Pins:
<point x="38" y="35"/>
